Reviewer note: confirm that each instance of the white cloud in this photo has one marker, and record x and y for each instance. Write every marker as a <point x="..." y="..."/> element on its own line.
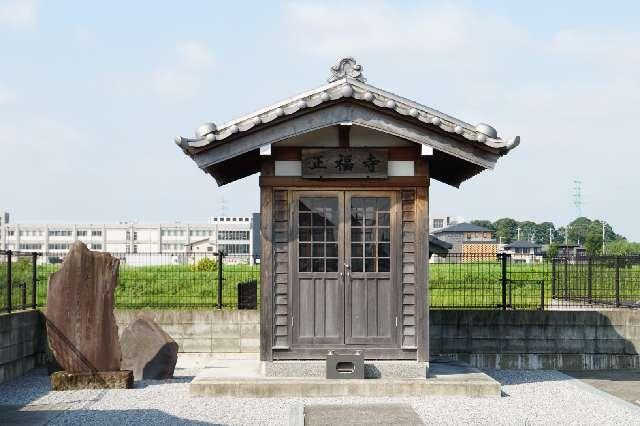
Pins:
<point x="442" y="31"/>
<point x="184" y="79"/>
<point x="19" y="14"/>
<point x="604" y="47"/>
<point x="195" y="55"/>
<point x="174" y="82"/>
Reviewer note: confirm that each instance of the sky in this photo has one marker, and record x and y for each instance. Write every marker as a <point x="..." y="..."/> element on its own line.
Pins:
<point x="92" y="95"/>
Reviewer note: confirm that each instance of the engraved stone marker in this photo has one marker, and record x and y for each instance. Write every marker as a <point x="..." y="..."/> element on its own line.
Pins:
<point x="81" y="327"/>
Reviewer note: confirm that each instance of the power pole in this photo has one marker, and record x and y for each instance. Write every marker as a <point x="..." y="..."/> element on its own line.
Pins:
<point x="518" y="239"/>
<point x="550" y="236"/>
<point x="577" y="197"/>
<point x="603" y="229"/>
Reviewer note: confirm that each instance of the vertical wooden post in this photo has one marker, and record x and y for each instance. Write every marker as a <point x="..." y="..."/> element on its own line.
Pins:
<point x="422" y="273"/>
<point x="266" y="274"/>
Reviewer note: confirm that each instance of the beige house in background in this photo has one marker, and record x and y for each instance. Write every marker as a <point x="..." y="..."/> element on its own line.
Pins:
<point x="471" y="241"/>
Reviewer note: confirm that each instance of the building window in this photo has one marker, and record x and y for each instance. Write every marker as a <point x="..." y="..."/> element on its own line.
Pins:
<point x="210" y="248"/>
<point x="59" y="246"/>
<point x="60" y="233"/>
<point x="135" y="248"/>
<point x="96" y="246"/>
<point x="234" y="248"/>
<point x="11" y="232"/>
<point x="30" y="246"/>
<point x="135" y="235"/>
<point x="96" y="233"/>
<point x="81" y="233"/>
<point x="438" y="223"/>
<point x="233" y="235"/>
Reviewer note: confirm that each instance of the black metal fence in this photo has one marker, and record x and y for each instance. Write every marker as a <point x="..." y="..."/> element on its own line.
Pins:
<point x="458" y="281"/>
<point x="502" y="281"/>
<point x="145" y="280"/>
<point x="18" y="280"/>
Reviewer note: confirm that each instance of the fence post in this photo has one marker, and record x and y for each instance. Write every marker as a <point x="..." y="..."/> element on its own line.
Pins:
<point x="34" y="278"/>
<point x="220" y="257"/>
<point x="542" y="295"/>
<point x="617" y="282"/>
<point x="9" y="290"/>
<point x="590" y="279"/>
<point x="503" y="259"/>
<point x="566" y="278"/>
<point x="553" y="277"/>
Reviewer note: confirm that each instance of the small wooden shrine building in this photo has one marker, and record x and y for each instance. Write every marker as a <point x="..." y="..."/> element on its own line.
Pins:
<point x="344" y="199"/>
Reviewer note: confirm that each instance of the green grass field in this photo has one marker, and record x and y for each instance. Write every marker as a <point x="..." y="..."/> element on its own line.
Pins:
<point x="451" y="285"/>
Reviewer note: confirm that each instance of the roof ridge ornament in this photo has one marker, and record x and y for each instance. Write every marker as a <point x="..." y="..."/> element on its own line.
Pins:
<point x="347" y="67"/>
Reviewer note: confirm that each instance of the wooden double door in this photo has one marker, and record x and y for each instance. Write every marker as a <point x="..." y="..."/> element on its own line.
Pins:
<point x="344" y="267"/>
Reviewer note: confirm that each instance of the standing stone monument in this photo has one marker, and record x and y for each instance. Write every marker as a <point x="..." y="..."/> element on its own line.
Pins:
<point x="81" y="326"/>
<point x="148" y="350"/>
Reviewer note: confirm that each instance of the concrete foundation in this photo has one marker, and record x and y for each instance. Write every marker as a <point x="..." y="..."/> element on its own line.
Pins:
<point x="248" y="379"/>
<point x="63" y="380"/>
<point x="22" y="343"/>
<point x="372" y="369"/>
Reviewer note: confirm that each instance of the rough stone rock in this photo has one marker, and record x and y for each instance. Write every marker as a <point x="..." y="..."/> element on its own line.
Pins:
<point x="81" y="326"/>
<point x="63" y="380"/>
<point x="148" y="350"/>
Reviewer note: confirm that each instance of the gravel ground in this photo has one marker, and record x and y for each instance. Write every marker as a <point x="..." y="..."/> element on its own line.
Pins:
<point x="530" y="397"/>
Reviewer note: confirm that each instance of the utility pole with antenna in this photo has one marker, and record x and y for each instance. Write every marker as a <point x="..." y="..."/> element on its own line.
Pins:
<point x="577" y="197"/>
<point x="223" y="206"/>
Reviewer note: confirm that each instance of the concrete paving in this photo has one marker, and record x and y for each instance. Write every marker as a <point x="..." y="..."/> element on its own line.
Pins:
<point x="245" y="378"/>
<point x="41" y="414"/>
<point x="360" y="414"/>
<point x="625" y="384"/>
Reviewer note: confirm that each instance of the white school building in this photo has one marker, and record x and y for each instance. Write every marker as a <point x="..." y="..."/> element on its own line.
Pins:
<point x="232" y="235"/>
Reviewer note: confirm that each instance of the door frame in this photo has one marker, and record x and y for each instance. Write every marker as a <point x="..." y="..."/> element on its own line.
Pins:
<point x="394" y="276"/>
<point x="379" y="349"/>
<point x="294" y="280"/>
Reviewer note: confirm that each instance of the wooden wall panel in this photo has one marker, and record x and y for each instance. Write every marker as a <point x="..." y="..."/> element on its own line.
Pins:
<point x="408" y="337"/>
<point x="281" y="273"/>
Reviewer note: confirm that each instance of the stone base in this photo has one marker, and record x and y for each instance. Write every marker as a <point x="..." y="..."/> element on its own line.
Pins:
<point x="63" y="380"/>
<point x="372" y="369"/>
<point x="247" y="379"/>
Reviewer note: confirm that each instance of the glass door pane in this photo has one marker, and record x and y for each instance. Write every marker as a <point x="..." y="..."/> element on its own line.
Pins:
<point x="370" y="234"/>
<point x="318" y="234"/>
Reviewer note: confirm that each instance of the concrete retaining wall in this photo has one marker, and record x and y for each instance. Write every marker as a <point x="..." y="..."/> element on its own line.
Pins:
<point x="211" y="331"/>
<point x="22" y="343"/>
<point x="572" y="340"/>
<point x="486" y="339"/>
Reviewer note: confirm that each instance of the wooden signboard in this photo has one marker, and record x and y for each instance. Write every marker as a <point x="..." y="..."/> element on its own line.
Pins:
<point x="345" y="163"/>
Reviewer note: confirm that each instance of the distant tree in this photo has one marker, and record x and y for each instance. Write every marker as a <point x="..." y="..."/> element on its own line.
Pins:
<point x="484" y="223"/>
<point x="528" y="230"/>
<point x="621" y="247"/>
<point x="553" y="250"/>
<point x="593" y="240"/>
<point x="559" y="235"/>
<point x="542" y="232"/>
<point x="506" y="229"/>
<point x="578" y="230"/>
